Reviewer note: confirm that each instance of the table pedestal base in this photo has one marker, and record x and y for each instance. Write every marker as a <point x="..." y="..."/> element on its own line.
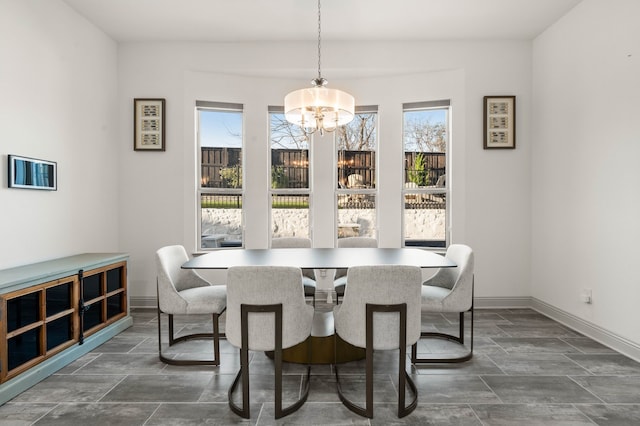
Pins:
<point x="325" y="346"/>
<point x="324" y="350"/>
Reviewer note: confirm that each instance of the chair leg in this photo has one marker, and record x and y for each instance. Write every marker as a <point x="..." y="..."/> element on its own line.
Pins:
<point x="215" y="335"/>
<point x="403" y="377"/>
<point x="340" y="289"/>
<point x="171" y="334"/>
<point x="216" y="338"/>
<point x="245" y="410"/>
<point x="458" y="339"/>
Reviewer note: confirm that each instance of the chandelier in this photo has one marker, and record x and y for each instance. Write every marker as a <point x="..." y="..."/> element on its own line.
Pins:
<point x="318" y="108"/>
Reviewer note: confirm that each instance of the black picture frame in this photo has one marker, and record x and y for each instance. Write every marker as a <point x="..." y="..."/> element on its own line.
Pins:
<point x="499" y="122"/>
<point x="32" y="173"/>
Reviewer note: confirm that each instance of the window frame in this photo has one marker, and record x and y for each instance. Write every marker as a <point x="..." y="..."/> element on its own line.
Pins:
<point x="428" y="191"/>
<point x="222" y="107"/>
<point x="374" y="191"/>
<point x="308" y="192"/>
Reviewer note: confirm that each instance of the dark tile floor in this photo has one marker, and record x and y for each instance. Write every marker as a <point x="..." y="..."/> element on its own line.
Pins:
<point x="527" y="370"/>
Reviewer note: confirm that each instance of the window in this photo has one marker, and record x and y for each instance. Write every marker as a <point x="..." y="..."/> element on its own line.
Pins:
<point x="290" y="187"/>
<point x="356" y="145"/>
<point x="426" y="141"/>
<point x="220" y="192"/>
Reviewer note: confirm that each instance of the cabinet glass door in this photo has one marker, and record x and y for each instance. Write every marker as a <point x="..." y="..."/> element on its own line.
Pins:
<point x="40" y="323"/>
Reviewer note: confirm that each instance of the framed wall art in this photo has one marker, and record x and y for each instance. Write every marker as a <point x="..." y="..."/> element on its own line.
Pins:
<point x="499" y="122"/>
<point x="148" y="128"/>
<point x="31" y="173"/>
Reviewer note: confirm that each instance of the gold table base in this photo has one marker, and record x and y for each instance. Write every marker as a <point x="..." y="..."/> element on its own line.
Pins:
<point x="324" y="350"/>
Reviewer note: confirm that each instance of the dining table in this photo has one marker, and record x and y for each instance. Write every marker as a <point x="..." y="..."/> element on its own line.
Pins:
<point x="325" y="346"/>
<point x="319" y="258"/>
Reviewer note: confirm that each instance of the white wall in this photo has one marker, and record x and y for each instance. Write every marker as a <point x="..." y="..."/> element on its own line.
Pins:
<point x="58" y="86"/>
<point x="555" y="215"/>
<point x="585" y="173"/>
<point x="491" y="188"/>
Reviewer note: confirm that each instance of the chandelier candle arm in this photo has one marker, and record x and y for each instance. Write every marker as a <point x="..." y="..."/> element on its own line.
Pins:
<point x="317" y="107"/>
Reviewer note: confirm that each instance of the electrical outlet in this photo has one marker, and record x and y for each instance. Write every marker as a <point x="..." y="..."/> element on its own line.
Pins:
<point x="586" y="296"/>
<point x="323" y="273"/>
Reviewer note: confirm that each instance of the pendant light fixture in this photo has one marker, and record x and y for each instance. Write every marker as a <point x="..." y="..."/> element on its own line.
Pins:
<point x="318" y="108"/>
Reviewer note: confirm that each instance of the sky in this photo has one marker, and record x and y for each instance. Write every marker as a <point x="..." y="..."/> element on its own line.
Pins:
<point x="224" y="128"/>
<point x="433" y="115"/>
<point x="221" y="128"/>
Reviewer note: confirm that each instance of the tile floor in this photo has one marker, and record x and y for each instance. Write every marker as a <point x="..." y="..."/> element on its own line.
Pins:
<point x="527" y="370"/>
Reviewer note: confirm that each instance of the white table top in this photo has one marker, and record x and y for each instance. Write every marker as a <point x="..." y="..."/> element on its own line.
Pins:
<point x="319" y="258"/>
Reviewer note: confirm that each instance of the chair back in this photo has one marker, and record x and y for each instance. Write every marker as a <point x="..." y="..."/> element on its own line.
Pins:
<point x="381" y="285"/>
<point x="357" y="242"/>
<point x="172" y="279"/>
<point x="267" y="285"/>
<point x="460" y="279"/>
<point x="294" y="242"/>
<point x="291" y="242"/>
<point x="354" y="242"/>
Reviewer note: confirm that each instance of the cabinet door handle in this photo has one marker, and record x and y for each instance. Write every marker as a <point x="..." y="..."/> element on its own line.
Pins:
<point x="81" y="307"/>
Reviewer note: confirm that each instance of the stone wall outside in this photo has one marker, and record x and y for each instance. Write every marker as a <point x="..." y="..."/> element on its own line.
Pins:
<point x="419" y="223"/>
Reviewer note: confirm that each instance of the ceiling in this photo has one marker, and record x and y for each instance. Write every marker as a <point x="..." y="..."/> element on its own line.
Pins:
<point x="342" y="20"/>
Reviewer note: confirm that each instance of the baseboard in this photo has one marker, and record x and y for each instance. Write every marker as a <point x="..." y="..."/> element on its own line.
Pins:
<point x="329" y="295"/>
<point x="597" y="333"/>
<point x="501" y="302"/>
<point x="143" y="302"/>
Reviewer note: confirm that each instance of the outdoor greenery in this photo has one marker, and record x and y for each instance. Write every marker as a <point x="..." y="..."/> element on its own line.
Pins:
<point x="285" y="204"/>
<point x="231" y="177"/>
<point x="279" y="179"/>
<point x="419" y="174"/>
<point x="235" y="202"/>
<point x="222" y="203"/>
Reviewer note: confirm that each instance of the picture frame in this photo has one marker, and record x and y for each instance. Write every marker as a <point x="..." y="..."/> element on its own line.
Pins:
<point x="499" y="122"/>
<point x="149" y="124"/>
<point x="32" y="173"/>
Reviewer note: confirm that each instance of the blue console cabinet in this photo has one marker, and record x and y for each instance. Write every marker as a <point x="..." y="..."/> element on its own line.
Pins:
<point x="53" y="312"/>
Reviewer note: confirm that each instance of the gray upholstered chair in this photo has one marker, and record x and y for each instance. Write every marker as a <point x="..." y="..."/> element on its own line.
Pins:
<point x="340" y="279"/>
<point x="381" y="311"/>
<point x="184" y="292"/>
<point x="308" y="276"/>
<point x="450" y="290"/>
<point x="266" y="311"/>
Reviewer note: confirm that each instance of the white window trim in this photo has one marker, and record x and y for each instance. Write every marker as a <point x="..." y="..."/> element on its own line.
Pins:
<point x="216" y="106"/>
<point x="413" y="106"/>
<point x="288" y="191"/>
<point x="364" y="109"/>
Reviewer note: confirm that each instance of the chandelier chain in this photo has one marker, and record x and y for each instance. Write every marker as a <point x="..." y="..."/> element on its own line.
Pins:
<point x="319" y="28"/>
